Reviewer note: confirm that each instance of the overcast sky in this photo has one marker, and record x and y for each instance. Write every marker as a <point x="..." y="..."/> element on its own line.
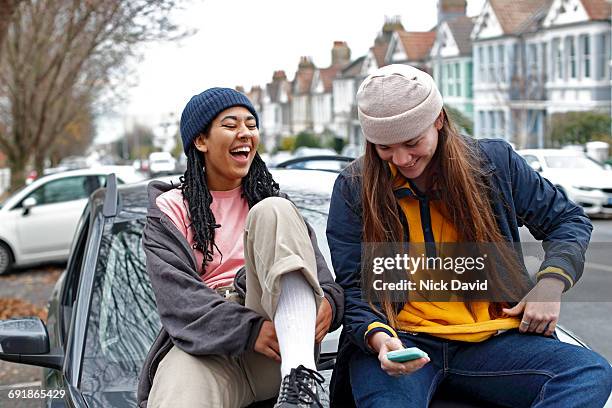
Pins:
<point x="242" y="42"/>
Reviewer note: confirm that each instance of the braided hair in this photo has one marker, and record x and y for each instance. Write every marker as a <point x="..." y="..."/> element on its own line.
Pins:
<point x="256" y="185"/>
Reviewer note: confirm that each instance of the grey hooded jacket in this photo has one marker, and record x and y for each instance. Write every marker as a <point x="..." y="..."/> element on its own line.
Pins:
<point x="194" y="317"/>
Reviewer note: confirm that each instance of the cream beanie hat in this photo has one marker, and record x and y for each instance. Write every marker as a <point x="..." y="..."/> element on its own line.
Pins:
<point x="397" y="103"/>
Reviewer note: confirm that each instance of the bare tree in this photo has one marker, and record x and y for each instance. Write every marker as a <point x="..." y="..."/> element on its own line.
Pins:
<point x="59" y="55"/>
<point x="7" y="9"/>
<point x="75" y="138"/>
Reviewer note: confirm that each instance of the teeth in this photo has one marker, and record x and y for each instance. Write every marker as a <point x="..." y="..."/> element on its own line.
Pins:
<point x="241" y="149"/>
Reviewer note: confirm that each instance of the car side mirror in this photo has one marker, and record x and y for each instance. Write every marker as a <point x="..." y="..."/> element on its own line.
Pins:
<point x="536" y="166"/>
<point x="27" y="204"/>
<point x="26" y="341"/>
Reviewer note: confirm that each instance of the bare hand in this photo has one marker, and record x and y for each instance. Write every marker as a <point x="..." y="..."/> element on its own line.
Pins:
<point x="540" y="308"/>
<point x="324" y="320"/>
<point x="383" y="343"/>
<point x="267" y="342"/>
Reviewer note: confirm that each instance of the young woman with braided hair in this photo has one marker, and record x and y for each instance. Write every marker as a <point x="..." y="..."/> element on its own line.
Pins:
<point x="241" y="287"/>
<point x="422" y="184"/>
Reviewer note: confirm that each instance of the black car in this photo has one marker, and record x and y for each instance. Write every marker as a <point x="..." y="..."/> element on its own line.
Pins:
<point x="102" y="315"/>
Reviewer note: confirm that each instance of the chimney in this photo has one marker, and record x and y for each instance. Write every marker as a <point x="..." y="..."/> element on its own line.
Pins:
<point x="279" y="76"/>
<point x="341" y="53"/>
<point x="391" y="24"/>
<point x="305" y="64"/>
<point x="449" y="9"/>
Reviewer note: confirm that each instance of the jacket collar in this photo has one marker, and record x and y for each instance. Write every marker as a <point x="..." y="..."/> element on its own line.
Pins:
<point x="403" y="187"/>
<point x="154" y="189"/>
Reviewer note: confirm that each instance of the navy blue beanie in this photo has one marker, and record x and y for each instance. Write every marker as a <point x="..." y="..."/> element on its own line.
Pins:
<point x="203" y="108"/>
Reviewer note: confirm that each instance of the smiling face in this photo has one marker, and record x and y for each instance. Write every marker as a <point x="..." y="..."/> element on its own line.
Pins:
<point x="229" y="148"/>
<point x="412" y="157"/>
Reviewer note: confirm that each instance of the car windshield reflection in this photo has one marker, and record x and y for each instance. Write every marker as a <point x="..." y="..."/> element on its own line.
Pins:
<point x="123" y="320"/>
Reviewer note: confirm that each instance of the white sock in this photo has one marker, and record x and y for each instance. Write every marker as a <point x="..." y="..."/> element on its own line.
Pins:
<point x="295" y="322"/>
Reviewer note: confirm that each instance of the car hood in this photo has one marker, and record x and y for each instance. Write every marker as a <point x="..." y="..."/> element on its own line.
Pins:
<point x="578" y="177"/>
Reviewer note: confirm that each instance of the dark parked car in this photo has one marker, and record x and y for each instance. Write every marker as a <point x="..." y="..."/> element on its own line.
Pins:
<point x="102" y="316"/>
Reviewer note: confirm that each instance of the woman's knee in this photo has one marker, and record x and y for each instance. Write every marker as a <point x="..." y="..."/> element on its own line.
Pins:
<point x="588" y="368"/>
<point x="601" y="372"/>
<point x="193" y="378"/>
<point x="271" y="207"/>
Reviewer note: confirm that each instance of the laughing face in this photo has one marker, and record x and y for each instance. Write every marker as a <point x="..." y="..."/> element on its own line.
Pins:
<point x="229" y="148"/>
<point x="413" y="157"/>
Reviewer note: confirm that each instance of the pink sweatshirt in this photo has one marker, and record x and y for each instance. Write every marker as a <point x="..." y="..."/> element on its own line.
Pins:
<point x="230" y="211"/>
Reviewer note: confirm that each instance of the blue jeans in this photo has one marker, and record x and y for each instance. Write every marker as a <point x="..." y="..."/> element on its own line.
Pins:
<point x="511" y="369"/>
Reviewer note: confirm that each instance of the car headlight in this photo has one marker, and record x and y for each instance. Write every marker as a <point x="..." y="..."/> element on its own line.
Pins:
<point x="583" y="188"/>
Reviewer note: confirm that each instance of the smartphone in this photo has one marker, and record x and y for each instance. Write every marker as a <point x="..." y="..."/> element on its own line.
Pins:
<point x="407" y="354"/>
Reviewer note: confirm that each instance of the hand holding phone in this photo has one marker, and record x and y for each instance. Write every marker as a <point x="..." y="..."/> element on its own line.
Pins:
<point x="407" y="354"/>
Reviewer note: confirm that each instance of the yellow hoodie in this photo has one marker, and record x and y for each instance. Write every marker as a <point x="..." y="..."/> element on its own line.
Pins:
<point x="449" y="320"/>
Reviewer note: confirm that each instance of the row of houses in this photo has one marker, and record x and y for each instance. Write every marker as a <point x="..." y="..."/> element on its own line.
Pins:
<point x="510" y="69"/>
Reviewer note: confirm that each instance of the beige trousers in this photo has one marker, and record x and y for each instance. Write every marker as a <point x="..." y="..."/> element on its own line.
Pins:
<point x="276" y="241"/>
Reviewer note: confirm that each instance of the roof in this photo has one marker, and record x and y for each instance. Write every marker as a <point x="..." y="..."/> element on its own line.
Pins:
<point x="462" y="27"/>
<point x="272" y="90"/>
<point x="379" y="51"/>
<point x="327" y="76"/>
<point x="303" y="81"/>
<point x="597" y="9"/>
<point x="516" y="16"/>
<point x="255" y="94"/>
<point x="277" y="87"/>
<point x="353" y="69"/>
<point x="417" y="45"/>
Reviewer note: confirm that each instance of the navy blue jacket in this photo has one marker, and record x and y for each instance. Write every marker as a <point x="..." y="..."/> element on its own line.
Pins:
<point x="520" y="197"/>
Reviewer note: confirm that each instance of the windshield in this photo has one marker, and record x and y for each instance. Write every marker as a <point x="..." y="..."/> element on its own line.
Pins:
<point x="571" y="162"/>
<point x="123" y="320"/>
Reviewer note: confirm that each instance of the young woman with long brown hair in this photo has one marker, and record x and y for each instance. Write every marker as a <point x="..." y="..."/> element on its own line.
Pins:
<point x="422" y="183"/>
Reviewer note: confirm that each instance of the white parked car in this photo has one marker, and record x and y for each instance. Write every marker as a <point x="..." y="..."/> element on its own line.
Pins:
<point x="38" y="221"/>
<point x="314" y="151"/>
<point x="161" y="163"/>
<point x="585" y="181"/>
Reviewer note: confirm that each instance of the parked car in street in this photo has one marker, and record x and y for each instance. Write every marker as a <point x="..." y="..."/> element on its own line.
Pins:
<point x="585" y="181"/>
<point x="102" y="315"/>
<point x="273" y="159"/>
<point x="161" y="163"/>
<point x="351" y="150"/>
<point x="334" y="164"/>
<point x="37" y="223"/>
<point x="313" y="151"/>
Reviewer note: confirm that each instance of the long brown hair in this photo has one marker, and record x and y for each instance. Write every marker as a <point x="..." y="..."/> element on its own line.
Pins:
<point x="458" y="175"/>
